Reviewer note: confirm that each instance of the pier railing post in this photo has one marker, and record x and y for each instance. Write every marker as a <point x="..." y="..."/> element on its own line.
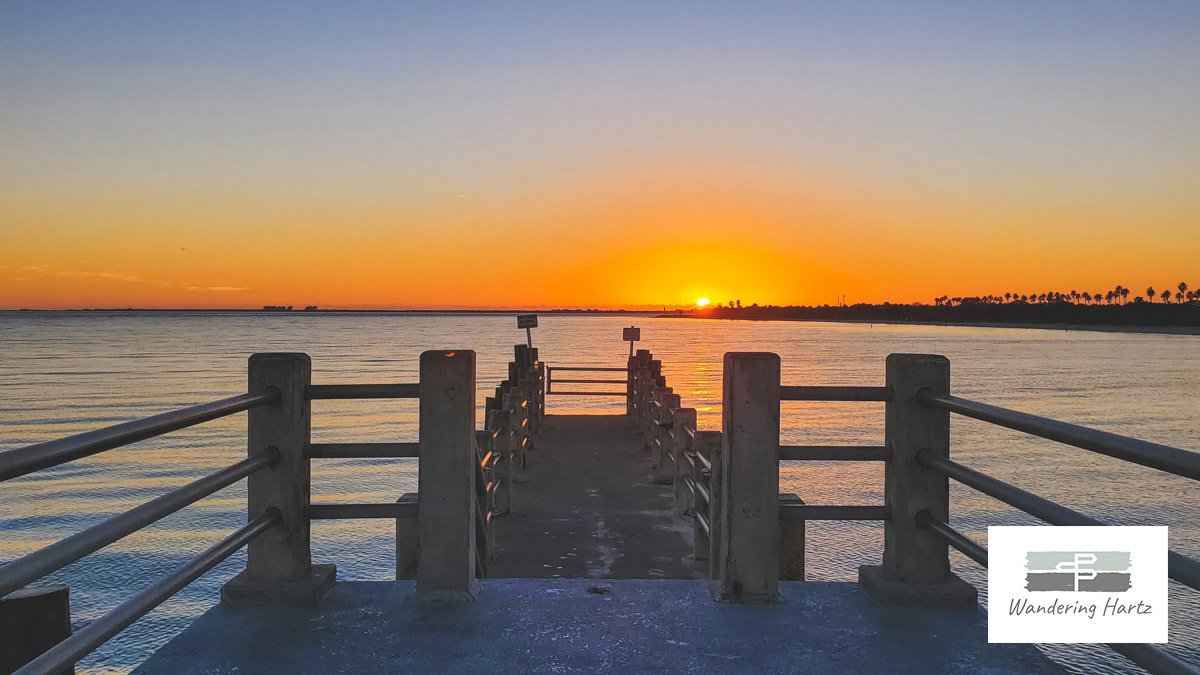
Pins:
<point x="32" y="620"/>
<point x="685" y="430"/>
<point x="748" y="561"/>
<point x="446" y="475"/>
<point x="497" y="426"/>
<point x="641" y="388"/>
<point x="707" y="545"/>
<point x="664" y="465"/>
<point x="916" y="564"/>
<point x="630" y="382"/>
<point x="279" y="567"/>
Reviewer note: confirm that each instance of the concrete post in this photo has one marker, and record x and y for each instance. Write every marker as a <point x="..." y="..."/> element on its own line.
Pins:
<point x="664" y="463"/>
<point x="748" y="564"/>
<point x="707" y="545"/>
<point x="497" y="425"/>
<point x="407" y="540"/>
<point x="447" y="474"/>
<point x="791" y="543"/>
<point x="630" y="383"/>
<point x="641" y="393"/>
<point x="916" y="565"/>
<point x="279" y="567"/>
<point x="684" y="421"/>
<point x="32" y="620"/>
<point x="485" y="492"/>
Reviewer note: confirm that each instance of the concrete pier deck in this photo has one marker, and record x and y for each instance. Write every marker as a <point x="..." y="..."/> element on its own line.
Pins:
<point x="594" y="575"/>
<point x="590" y="626"/>
<point x="587" y="509"/>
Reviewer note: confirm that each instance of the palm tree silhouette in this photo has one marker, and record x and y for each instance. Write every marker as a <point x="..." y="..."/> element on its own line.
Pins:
<point x="1150" y="293"/>
<point x="1165" y="295"/>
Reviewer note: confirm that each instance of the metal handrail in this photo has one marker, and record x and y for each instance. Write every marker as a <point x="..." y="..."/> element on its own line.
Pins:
<point x="361" y="450"/>
<point x="1151" y="657"/>
<point x="30" y="458"/>
<point x="848" y="453"/>
<point x="316" y="392"/>
<point x="34" y="566"/>
<point x="1154" y="455"/>
<point x="958" y="540"/>
<point x="64" y="655"/>
<point x="823" y="393"/>
<point x="1181" y="568"/>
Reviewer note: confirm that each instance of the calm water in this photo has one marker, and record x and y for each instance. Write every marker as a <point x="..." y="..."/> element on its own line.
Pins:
<point x="65" y="373"/>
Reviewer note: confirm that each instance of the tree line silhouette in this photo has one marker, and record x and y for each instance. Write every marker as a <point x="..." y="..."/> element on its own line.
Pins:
<point x="1175" y="306"/>
<point x="1118" y="295"/>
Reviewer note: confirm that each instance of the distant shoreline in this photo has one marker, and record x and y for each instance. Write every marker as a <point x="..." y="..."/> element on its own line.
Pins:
<point x="304" y="312"/>
<point x="1098" y="328"/>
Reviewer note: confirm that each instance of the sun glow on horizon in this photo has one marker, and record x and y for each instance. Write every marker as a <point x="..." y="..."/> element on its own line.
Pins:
<point x="702" y="302"/>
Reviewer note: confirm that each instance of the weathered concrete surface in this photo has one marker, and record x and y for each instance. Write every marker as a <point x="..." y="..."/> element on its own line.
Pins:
<point x="579" y="625"/>
<point x="588" y="508"/>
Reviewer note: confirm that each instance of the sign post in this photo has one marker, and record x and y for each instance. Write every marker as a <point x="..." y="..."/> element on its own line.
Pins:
<point x="528" y="322"/>
<point x="631" y="335"/>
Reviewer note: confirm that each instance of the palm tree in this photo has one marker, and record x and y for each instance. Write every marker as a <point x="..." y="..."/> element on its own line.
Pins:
<point x="1124" y="293"/>
<point x="1165" y="295"/>
<point x="1182" y="288"/>
<point x="1150" y="293"/>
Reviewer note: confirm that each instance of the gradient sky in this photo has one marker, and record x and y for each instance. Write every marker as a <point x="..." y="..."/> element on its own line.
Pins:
<point x="502" y="154"/>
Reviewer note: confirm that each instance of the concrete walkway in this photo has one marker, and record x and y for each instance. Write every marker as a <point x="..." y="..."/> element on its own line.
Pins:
<point x="588" y="509"/>
<point x="586" y="626"/>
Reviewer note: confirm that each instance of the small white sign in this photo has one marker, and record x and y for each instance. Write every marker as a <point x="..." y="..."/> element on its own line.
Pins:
<point x="631" y="334"/>
<point x="1077" y="585"/>
<point x="527" y="321"/>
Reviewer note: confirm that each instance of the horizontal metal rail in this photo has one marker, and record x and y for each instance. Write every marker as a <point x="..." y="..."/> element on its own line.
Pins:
<point x="64" y="655"/>
<point x="953" y="537"/>
<point x="587" y="393"/>
<point x="590" y="369"/>
<point x="30" y="458"/>
<point x="1153" y="658"/>
<point x="63" y="552"/>
<point x="558" y="381"/>
<point x="404" y="509"/>
<point x="847" y="453"/>
<point x="1181" y="568"/>
<point x="821" y="512"/>
<point x="361" y="450"/>
<point x="812" y="393"/>
<point x="362" y="391"/>
<point x="1154" y="455"/>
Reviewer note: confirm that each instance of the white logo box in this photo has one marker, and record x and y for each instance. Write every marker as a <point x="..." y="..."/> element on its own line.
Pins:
<point x="1091" y="558"/>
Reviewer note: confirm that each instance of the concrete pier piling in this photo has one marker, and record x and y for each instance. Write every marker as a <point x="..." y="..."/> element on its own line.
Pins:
<point x="446" y="477"/>
<point x="748" y="550"/>
<point x="916" y="564"/>
<point x="279" y="567"/>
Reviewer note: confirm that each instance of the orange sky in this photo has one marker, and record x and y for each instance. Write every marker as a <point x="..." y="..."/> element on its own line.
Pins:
<point x="616" y="160"/>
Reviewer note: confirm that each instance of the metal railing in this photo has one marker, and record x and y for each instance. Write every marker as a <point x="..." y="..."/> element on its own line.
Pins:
<point x="1172" y="460"/>
<point x="916" y="456"/>
<point x="551" y="381"/>
<point x="17" y="573"/>
<point x="278" y="470"/>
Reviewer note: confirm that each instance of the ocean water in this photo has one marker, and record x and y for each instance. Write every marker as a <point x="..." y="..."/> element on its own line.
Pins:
<point x="62" y="373"/>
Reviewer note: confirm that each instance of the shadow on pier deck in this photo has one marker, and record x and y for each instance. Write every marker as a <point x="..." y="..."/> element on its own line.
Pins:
<point x="588" y="509"/>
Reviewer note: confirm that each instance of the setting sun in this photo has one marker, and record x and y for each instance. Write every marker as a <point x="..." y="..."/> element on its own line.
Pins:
<point x="702" y="302"/>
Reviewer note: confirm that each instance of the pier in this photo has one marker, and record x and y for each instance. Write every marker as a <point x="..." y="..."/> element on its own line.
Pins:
<point x="542" y="542"/>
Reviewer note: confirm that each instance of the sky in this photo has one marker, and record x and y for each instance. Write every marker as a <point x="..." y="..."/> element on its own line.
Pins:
<point x="606" y="154"/>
